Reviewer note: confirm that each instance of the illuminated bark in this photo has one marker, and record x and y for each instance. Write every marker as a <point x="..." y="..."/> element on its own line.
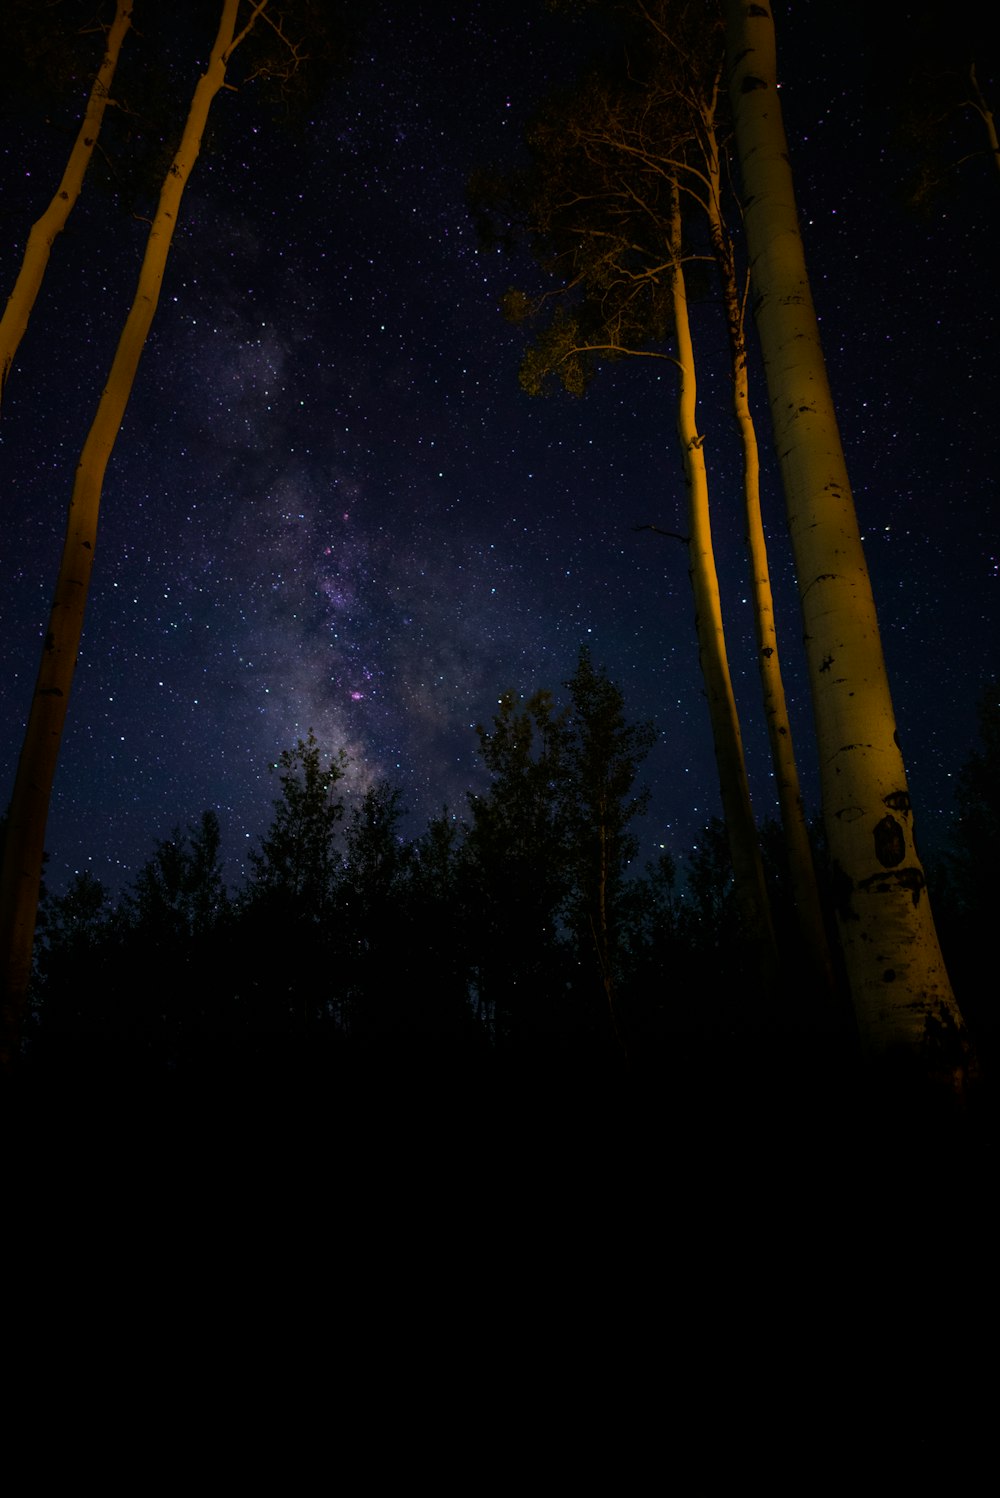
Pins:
<point x="985" y="113"/>
<point x="673" y="134"/>
<point x="728" y="740"/>
<point x="901" y="993"/>
<point x="604" y="206"/>
<point x="795" y="833"/>
<point x="29" y="806"/>
<point x="21" y="301"/>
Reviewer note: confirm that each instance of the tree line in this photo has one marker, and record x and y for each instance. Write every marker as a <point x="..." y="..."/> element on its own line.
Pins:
<point x="625" y="206"/>
<point x="524" y="932"/>
<point x="515" y="927"/>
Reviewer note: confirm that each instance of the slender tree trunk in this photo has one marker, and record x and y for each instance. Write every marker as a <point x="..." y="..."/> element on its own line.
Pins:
<point x="734" y="787"/>
<point x="902" y="997"/>
<point x="795" y="833"/>
<point x="24" y="844"/>
<point x="985" y="113"/>
<point x="21" y="301"/>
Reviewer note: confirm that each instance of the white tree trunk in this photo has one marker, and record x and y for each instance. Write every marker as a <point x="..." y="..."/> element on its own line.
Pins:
<point x="24" y="844"/>
<point x="900" y="989"/>
<point x="795" y="832"/>
<point x="21" y="301"/>
<point x="734" y="787"/>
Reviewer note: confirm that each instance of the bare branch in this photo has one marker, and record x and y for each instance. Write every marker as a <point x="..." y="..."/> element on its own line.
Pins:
<point x="671" y="535"/>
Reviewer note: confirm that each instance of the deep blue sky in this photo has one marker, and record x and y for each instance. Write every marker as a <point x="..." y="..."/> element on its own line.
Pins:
<point x="331" y="506"/>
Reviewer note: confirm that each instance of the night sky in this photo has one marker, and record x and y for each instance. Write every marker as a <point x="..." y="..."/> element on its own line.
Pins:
<point x="331" y="506"/>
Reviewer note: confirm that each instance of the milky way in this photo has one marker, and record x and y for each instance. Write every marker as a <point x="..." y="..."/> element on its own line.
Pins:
<point x="331" y="507"/>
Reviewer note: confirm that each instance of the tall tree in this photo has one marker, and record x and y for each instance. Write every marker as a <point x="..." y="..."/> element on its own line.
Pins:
<point x="44" y="231"/>
<point x="440" y="920"/>
<point x="373" y="918"/>
<point x="40" y="750"/>
<point x="515" y="875"/>
<point x="179" y="893"/>
<point x="681" y="65"/>
<point x="295" y="868"/>
<point x="603" y="755"/>
<point x="285" y="915"/>
<point x="174" y="939"/>
<point x="670" y="123"/>
<point x="902" y="997"/>
<point x="609" y="226"/>
<point x="546" y="859"/>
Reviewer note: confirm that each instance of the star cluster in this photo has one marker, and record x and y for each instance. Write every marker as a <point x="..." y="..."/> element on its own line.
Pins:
<point x="331" y="507"/>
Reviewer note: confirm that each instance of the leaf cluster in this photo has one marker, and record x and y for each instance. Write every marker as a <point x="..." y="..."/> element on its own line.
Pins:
<point x="297" y="859"/>
<point x="553" y="831"/>
<point x="613" y="161"/>
<point x="180" y="892"/>
<point x="510" y="931"/>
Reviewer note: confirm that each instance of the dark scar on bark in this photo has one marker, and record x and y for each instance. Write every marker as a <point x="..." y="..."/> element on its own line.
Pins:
<point x="883" y="884"/>
<point x="890" y="842"/>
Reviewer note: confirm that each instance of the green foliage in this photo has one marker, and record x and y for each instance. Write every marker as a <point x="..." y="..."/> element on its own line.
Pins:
<point x="518" y="306"/>
<point x="514" y="878"/>
<point x="297" y="863"/>
<point x="348" y="933"/>
<point x="376" y="855"/>
<point x="370" y="915"/>
<point x="547" y="856"/>
<point x="710" y="912"/>
<point x="71" y="926"/>
<point x="603" y="754"/>
<point x="78" y="936"/>
<point x="599" y="203"/>
<point x="146" y="973"/>
<point x="558" y="352"/>
<point x="521" y="751"/>
<point x="180" y="892"/>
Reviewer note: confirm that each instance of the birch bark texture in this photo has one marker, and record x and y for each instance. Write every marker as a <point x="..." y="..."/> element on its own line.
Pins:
<point x="900" y="989"/>
<point x="734" y="786"/>
<point x="794" y="829"/>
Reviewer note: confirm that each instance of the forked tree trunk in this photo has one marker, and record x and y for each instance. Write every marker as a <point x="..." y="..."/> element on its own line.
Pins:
<point x="22" y="861"/>
<point x="902" y="997"/>
<point x="794" y="831"/>
<point x="21" y="301"/>
<point x="748" y="871"/>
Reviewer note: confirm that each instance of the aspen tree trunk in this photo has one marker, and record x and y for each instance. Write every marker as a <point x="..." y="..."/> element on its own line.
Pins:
<point x="902" y="997"/>
<point x="29" y="806"/>
<point x="795" y="833"/>
<point x="21" y="301"/>
<point x="985" y="113"/>
<point x="734" y="787"/>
